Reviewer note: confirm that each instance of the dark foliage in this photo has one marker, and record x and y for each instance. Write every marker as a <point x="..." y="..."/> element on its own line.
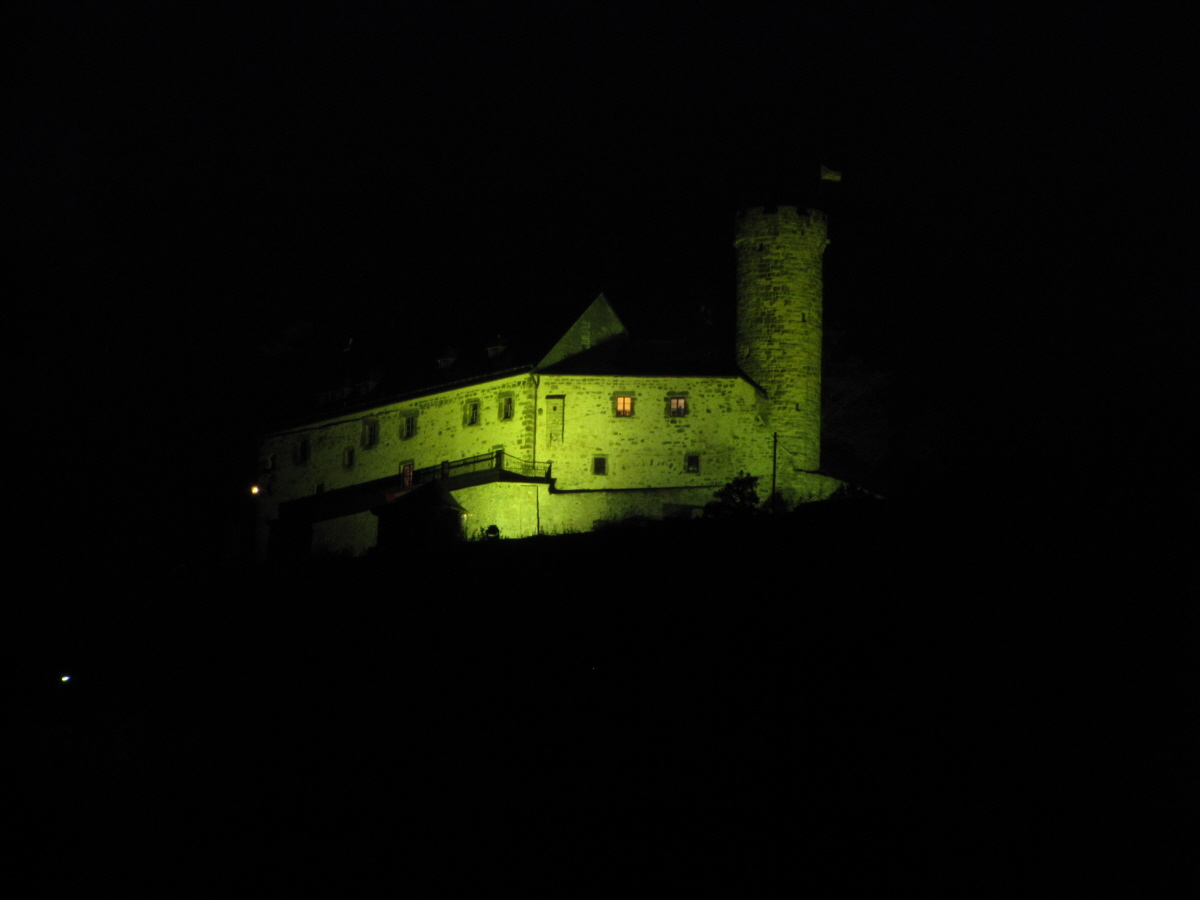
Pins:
<point x="738" y="498"/>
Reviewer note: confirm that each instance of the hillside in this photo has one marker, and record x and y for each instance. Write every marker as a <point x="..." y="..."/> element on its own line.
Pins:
<point x="852" y="675"/>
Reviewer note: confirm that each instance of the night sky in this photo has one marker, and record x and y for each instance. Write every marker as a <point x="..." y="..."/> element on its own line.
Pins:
<point x="201" y="190"/>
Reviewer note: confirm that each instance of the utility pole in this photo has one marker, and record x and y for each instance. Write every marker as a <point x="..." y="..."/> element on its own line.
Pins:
<point x="774" y="459"/>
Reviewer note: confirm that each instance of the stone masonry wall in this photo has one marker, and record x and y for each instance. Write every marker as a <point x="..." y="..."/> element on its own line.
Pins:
<point x="569" y="421"/>
<point x="779" y="322"/>
<point x="442" y="432"/>
<point x="650" y="448"/>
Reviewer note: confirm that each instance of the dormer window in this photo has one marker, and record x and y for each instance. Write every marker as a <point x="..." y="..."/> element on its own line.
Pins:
<point x="445" y="362"/>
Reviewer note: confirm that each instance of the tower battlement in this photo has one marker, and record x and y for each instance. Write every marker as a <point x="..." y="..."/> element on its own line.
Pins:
<point x="768" y="220"/>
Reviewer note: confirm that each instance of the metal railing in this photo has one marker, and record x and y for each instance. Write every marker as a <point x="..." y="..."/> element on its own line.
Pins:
<point x="518" y="466"/>
<point x="496" y="460"/>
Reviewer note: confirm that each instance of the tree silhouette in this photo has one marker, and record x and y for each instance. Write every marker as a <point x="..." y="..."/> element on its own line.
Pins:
<point x="738" y="498"/>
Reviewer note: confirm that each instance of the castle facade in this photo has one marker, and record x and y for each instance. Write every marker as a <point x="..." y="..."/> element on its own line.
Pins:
<point x="593" y="429"/>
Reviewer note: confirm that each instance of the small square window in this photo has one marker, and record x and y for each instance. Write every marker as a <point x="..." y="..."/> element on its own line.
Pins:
<point x="599" y="465"/>
<point x="624" y="405"/>
<point x="692" y="464"/>
<point x="677" y="407"/>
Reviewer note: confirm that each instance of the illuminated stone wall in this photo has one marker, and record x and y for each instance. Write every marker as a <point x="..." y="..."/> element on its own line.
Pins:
<point x="514" y="508"/>
<point x="649" y="448"/>
<point x="568" y="421"/>
<point x="341" y="453"/>
<point x="779" y="324"/>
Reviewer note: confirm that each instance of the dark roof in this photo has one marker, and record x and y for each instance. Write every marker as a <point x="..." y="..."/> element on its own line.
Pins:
<point x="371" y="496"/>
<point x="666" y="358"/>
<point x="390" y="368"/>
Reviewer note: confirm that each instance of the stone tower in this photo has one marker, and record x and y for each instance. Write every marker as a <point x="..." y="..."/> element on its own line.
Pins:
<point x="779" y="327"/>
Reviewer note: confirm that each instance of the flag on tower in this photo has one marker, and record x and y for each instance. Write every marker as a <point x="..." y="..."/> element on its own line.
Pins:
<point x="830" y="175"/>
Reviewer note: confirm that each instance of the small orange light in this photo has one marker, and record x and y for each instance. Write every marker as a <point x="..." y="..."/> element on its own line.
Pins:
<point x="254" y="490"/>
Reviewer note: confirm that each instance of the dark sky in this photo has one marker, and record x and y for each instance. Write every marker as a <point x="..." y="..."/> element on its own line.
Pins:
<point x="195" y="183"/>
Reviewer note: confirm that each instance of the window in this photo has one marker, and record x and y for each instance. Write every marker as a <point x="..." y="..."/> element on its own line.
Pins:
<point x="677" y="407"/>
<point x="599" y="465"/>
<point x="300" y="451"/>
<point x="691" y="464"/>
<point x="348" y="458"/>
<point x="408" y="426"/>
<point x="269" y="463"/>
<point x="506" y="407"/>
<point x="406" y="474"/>
<point x="370" y="434"/>
<point x="624" y="405"/>
<point x="471" y="413"/>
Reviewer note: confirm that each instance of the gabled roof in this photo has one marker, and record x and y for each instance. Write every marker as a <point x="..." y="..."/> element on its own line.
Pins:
<point x="649" y="358"/>
<point x="598" y="325"/>
<point x="403" y="365"/>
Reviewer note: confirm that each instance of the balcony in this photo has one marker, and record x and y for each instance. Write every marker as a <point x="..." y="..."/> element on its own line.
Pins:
<point x="487" y="467"/>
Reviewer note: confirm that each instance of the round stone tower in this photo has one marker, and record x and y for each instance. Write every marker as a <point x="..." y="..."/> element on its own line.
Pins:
<point x="779" y="325"/>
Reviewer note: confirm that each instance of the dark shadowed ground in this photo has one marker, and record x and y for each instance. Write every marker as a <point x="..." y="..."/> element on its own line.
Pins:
<point x="861" y="692"/>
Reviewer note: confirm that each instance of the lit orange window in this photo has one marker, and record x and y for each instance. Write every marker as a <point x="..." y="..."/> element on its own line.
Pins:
<point x="678" y="407"/>
<point x="624" y="406"/>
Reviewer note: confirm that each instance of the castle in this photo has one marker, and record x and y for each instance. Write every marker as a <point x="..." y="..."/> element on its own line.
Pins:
<point x="591" y="429"/>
